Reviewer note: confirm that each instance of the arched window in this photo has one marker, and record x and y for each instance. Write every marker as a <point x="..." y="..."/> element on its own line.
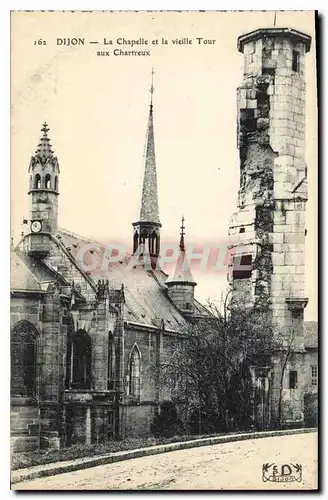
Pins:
<point x="152" y="241"/>
<point x="31" y="182"/>
<point x="56" y="183"/>
<point x="134" y="373"/>
<point x="135" y="241"/>
<point x="37" y="181"/>
<point x="78" y="360"/>
<point x="47" y="181"/>
<point x="23" y="359"/>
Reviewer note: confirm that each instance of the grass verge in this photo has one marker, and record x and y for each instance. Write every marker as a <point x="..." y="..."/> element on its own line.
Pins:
<point x="46" y="456"/>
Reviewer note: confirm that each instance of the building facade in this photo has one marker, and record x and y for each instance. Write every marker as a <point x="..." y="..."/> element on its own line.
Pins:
<point x="86" y="347"/>
<point x="268" y="230"/>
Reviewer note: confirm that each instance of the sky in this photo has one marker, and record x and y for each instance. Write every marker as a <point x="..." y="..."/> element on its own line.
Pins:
<point x="97" y="110"/>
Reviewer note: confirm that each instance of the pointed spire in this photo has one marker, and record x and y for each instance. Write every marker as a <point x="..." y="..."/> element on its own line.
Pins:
<point x="149" y="211"/>
<point x="182" y="271"/>
<point x="44" y="147"/>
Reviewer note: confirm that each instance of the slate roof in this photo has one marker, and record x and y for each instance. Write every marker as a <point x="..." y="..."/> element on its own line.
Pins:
<point x="147" y="301"/>
<point x="311" y="334"/>
<point x="182" y="272"/>
<point x="149" y="211"/>
<point x="28" y="274"/>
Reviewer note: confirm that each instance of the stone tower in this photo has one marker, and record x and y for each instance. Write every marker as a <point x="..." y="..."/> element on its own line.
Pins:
<point x="268" y="229"/>
<point x="181" y="287"/>
<point x="43" y="193"/>
<point x="147" y="229"/>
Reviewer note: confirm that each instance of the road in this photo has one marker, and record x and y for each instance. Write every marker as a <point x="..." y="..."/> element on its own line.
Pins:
<point x="225" y="466"/>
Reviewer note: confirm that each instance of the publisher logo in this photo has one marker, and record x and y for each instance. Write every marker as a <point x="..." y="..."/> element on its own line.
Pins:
<point x="286" y="473"/>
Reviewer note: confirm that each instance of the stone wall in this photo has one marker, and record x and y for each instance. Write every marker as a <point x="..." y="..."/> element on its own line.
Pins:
<point x="138" y="419"/>
<point x="270" y="222"/>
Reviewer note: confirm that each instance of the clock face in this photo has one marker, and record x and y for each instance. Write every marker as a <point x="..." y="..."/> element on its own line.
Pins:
<point x="36" y="226"/>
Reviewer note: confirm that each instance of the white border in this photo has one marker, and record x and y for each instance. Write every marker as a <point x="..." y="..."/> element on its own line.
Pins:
<point x="5" y="161"/>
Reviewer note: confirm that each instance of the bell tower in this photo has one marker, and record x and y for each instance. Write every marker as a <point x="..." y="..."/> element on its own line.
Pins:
<point x="43" y="193"/>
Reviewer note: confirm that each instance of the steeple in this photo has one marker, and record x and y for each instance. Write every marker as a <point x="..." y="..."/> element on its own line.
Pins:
<point x="181" y="285"/>
<point x="149" y="201"/>
<point x="147" y="229"/>
<point x="43" y="193"/>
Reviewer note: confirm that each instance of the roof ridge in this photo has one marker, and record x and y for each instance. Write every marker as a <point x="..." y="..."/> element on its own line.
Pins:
<point x="88" y="239"/>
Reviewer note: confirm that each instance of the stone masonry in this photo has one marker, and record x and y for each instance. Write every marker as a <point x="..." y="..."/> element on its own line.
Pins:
<point x="268" y="230"/>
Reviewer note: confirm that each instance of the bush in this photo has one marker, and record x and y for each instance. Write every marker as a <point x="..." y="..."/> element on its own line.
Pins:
<point x="166" y="422"/>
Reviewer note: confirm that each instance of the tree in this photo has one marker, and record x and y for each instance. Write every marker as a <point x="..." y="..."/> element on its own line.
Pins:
<point x="212" y="366"/>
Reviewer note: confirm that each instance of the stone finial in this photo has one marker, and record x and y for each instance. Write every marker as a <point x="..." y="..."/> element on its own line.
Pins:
<point x="44" y="148"/>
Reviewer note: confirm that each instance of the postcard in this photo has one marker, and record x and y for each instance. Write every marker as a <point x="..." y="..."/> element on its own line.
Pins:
<point x="164" y="325"/>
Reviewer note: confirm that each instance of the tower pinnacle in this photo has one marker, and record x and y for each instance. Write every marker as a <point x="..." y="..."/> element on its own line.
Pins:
<point x="44" y="150"/>
<point x="181" y="285"/>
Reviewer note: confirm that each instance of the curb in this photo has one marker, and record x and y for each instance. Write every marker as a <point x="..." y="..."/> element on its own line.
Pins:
<point x="20" y="475"/>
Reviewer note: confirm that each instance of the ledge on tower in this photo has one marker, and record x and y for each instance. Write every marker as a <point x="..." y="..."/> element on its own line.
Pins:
<point x="295" y="35"/>
<point x="296" y="303"/>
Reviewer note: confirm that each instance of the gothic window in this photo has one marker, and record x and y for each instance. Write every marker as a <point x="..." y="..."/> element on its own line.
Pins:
<point x="143" y="237"/>
<point x="293" y="379"/>
<point x="79" y="360"/>
<point x="314" y="376"/>
<point x="37" y="181"/>
<point x="23" y="359"/>
<point x="134" y="373"/>
<point x="48" y="181"/>
<point x="152" y="242"/>
<point x="296" y="61"/>
<point x="56" y="183"/>
<point x="135" y="241"/>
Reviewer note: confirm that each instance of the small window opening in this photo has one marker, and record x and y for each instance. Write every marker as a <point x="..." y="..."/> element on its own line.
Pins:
<point x="37" y="181"/>
<point x="242" y="267"/>
<point x="293" y="379"/>
<point x="242" y="230"/>
<point x="314" y="376"/>
<point x="296" y="61"/>
<point x="48" y="181"/>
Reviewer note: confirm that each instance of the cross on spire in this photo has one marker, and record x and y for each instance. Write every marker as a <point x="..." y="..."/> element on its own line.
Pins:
<point x="182" y="234"/>
<point x="45" y="129"/>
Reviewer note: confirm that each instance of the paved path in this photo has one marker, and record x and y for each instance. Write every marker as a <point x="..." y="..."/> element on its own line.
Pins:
<point x="235" y="465"/>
